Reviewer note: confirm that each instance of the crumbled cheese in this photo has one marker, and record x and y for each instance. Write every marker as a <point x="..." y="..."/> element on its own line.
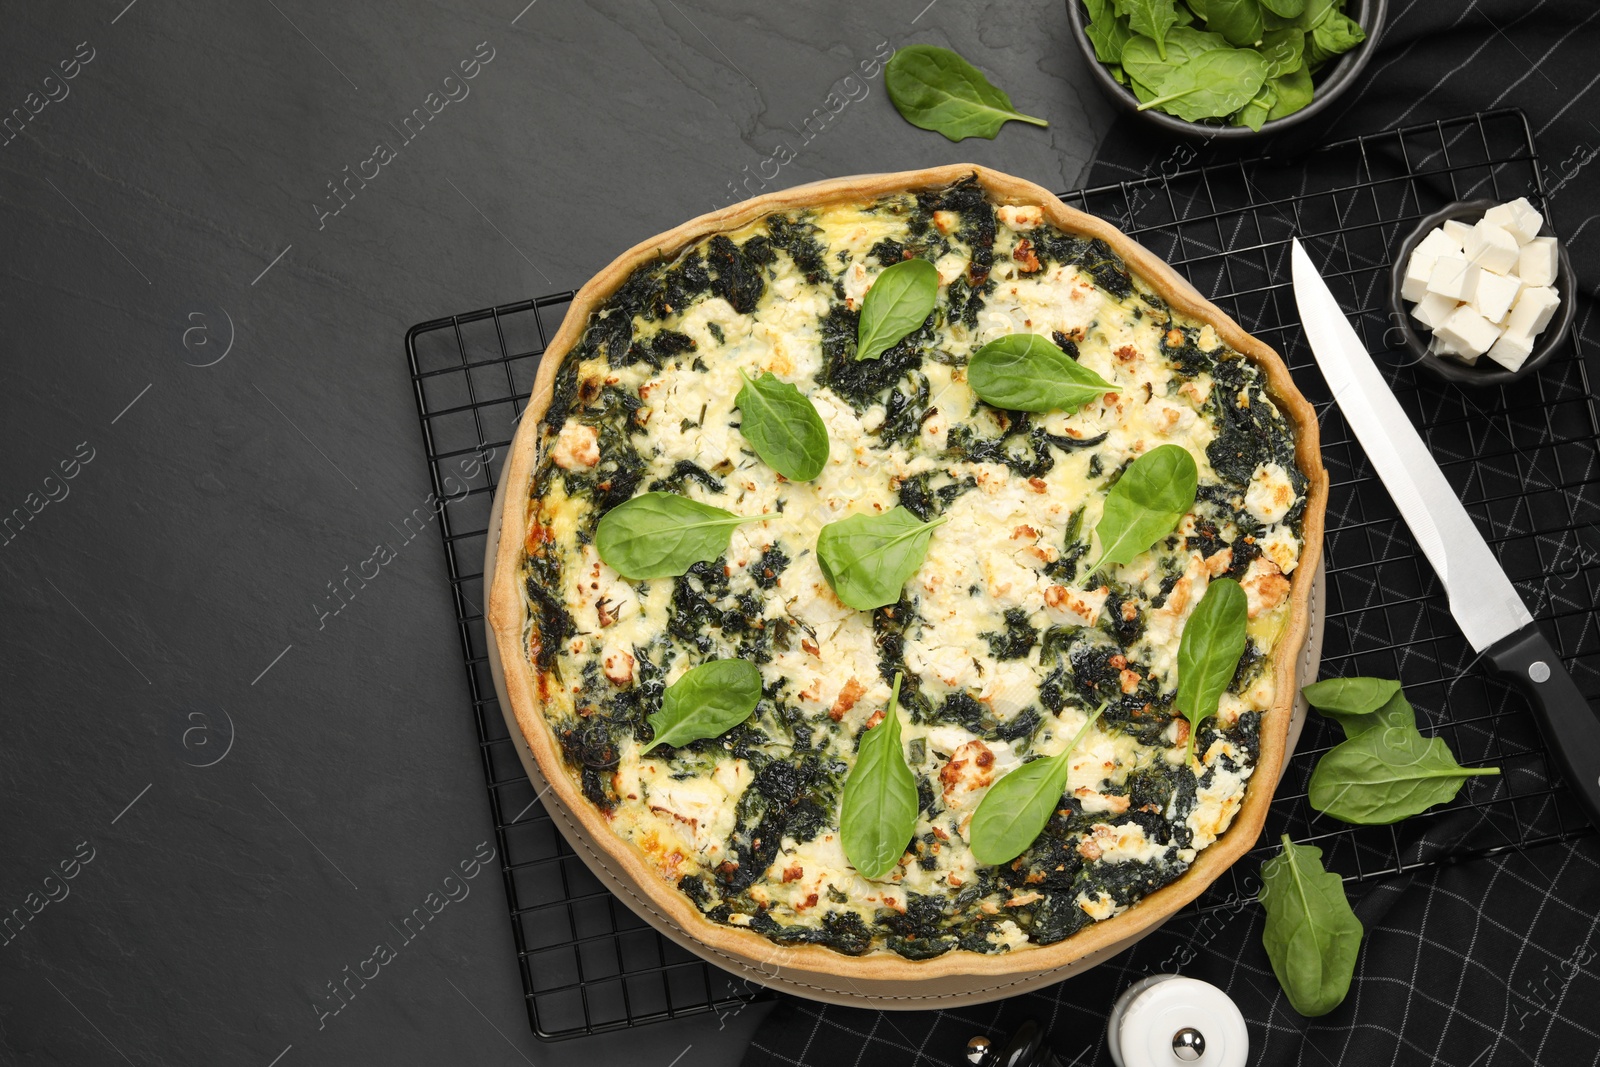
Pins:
<point x="576" y="447"/>
<point x="1271" y="494"/>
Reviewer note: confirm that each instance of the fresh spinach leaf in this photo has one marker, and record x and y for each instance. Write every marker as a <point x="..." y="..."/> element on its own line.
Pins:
<point x="1311" y="934"/>
<point x="1152" y="18"/>
<point x="1025" y="372"/>
<point x="1350" y="696"/>
<point x="1214" y="637"/>
<point x="938" y="90"/>
<point x="900" y="300"/>
<point x="661" y="535"/>
<point x="1315" y="12"/>
<point x="1396" y="713"/>
<point x="783" y="425"/>
<point x="1237" y="20"/>
<point x="707" y="701"/>
<point x="1334" y="35"/>
<point x="1254" y="114"/>
<point x="878" y="813"/>
<point x="1284" y="8"/>
<point x="1211" y="85"/>
<point x="1383" y="776"/>
<point x="1108" y="32"/>
<point x="1284" y="51"/>
<point x="1294" y="92"/>
<point x="1017" y="808"/>
<point x="1143" y="63"/>
<point x="867" y="559"/>
<point x="1142" y="91"/>
<point x="1154" y="492"/>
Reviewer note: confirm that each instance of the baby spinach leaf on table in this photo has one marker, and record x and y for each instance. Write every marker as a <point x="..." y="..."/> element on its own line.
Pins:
<point x="661" y="535"/>
<point x="867" y="559"/>
<point x="707" y="701"/>
<point x="1284" y="51"/>
<point x="1152" y="18"/>
<point x="1213" y="639"/>
<point x="1382" y="776"/>
<point x="900" y="300"/>
<point x="1294" y="92"/>
<point x="1284" y="8"/>
<point x="1350" y="696"/>
<point x="1334" y="35"/>
<point x="1237" y="20"/>
<point x="1395" y="714"/>
<point x="1211" y="85"/>
<point x="1108" y="32"/>
<point x="935" y="89"/>
<point x="878" y="812"/>
<point x="783" y="425"/>
<point x="1154" y="492"/>
<point x="1017" y="808"/>
<point x="1311" y="934"/>
<point x="1025" y="372"/>
<point x="1143" y="63"/>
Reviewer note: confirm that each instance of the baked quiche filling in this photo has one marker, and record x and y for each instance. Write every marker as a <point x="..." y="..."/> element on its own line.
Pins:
<point x="1008" y="636"/>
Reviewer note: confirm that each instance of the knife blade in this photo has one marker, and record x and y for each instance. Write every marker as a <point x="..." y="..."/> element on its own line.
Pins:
<point x="1483" y="601"/>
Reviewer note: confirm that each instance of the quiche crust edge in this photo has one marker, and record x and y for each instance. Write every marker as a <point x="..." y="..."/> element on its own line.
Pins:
<point x="510" y="621"/>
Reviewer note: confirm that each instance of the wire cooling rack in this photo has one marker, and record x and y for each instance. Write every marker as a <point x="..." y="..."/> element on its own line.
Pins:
<point x="1524" y="458"/>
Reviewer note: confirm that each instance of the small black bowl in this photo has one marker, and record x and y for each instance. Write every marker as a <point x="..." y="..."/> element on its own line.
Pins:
<point x="1330" y="82"/>
<point x="1486" y="371"/>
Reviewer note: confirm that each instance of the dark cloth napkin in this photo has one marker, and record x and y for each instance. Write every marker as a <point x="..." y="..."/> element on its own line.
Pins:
<point x="1488" y="962"/>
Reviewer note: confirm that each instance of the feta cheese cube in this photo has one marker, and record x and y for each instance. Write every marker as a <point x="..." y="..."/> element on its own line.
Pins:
<point x="1494" y="295"/>
<point x="1419" y="268"/>
<point x="1519" y="218"/>
<point x="1457" y="231"/>
<point x="1535" y="308"/>
<point x="1442" y="347"/>
<point x="1492" y="248"/>
<point x="1454" y="277"/>
<point x="1537" y="265"/>
<point x="1438" y="243"/>
<point x="1511" y="351"/>
<point x="1433" y="309"/>
<point x="1467" y="332"/>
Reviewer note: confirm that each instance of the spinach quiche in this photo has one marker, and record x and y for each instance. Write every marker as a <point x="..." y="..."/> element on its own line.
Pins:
<point x="712" y="479"/>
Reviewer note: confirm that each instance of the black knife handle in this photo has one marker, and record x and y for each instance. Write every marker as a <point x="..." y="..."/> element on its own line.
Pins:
<point x="1571" y="727"/>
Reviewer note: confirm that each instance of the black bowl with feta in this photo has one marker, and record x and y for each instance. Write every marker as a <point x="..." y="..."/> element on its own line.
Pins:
<point x="1481" y="292"/>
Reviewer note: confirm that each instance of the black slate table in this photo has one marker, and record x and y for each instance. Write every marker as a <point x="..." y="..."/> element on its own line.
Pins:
<point x="237" y="753"/>
<point x="211" y="265"/>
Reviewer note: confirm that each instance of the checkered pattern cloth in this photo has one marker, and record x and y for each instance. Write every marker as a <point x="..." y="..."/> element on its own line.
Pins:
<point x="1487" y="962"/>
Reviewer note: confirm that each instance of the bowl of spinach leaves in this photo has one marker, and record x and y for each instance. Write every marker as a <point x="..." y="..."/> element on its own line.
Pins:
<point x="1226" y="68"/>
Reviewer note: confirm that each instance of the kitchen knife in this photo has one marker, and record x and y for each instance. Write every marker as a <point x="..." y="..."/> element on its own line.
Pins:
<point x="1482" y="599"/>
